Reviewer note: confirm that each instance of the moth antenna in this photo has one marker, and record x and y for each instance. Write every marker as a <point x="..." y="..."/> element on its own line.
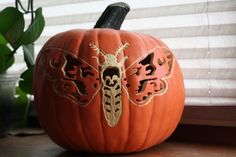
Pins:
<point x="122" y="62"/>
<point x="121" y="48"/>
<point x="99" y="62"/>
<point x="97" y="49"/>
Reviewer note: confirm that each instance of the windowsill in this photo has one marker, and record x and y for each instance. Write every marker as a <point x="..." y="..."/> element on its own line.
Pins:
<point x="38" y="146"/>
<point x="194" y="141"/>
<point x="203" y="134"/>
<point x="210" y="115"/>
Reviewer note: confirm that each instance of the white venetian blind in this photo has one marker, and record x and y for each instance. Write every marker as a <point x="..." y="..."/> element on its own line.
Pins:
<point x="201" y="33"/>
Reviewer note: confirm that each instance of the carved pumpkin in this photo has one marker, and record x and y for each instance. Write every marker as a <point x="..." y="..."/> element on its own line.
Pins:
<point x="108" y="91"/>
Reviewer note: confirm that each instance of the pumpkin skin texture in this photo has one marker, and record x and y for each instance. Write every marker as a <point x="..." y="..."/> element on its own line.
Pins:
<point x="70" y="84"/>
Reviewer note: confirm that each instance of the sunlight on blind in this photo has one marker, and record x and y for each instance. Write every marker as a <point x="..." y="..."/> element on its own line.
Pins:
<point x="201" y="33"/>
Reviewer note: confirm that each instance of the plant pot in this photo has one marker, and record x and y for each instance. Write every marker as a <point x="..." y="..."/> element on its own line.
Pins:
<point x="7" y="93"/>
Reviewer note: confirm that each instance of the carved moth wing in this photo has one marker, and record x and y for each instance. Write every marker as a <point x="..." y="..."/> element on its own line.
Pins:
<point x="146" y="77"/>
<point x="77" y="80"/>
<point x="72" y="77"/>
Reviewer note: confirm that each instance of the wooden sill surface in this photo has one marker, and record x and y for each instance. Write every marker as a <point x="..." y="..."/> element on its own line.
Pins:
<point x="42" y="146"/>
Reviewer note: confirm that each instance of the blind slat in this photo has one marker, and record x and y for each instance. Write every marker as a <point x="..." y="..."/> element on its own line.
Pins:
<point x="201" y="42"/>
<point x="222" y="63"/>
<point x="148" y="12"/>
<point x="201" y="34"/>
<point x="192" y="53"/>
<point x="99" y="6"/>
<point x="217" y="88"/>
<point x="213" y="101"/>
<point x="192" y="20"/>
<point x="225" y="41"/>
<point x="229" y="29"/>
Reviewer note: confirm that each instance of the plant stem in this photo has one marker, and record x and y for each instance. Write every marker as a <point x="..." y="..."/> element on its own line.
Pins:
<point x="113" y="16"/>
<point x="28" y="6"/>
<point x="16" y="4"/>
<point x="22" y="7"/>
<point x="32" y="11"/>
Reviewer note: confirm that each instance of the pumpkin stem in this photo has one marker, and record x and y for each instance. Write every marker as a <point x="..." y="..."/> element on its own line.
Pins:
<point x="113" y="16"/>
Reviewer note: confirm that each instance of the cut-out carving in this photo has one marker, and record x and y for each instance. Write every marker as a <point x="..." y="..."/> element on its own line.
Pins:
<point x="79" y="81"/>
<point x="147" y="76"/>
<point x="70" y="74"/>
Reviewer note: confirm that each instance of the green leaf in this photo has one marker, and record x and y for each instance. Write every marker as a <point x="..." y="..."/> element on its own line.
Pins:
<point x="21" y="108"/>
<point x="6" y="58"/>
<point x="26" y="82"/>
<point x="21" y="97"/>
<point x="2" y="40"/>
<point x="10" y="60"/>
<point x="11" y="24"/>
<point x="34" y="30"/>
<point x="28" y="54"/>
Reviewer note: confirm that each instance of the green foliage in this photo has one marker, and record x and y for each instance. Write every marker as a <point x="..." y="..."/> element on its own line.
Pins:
<point x="12" y="24"/>
<point x="33" y="31"/>
<point x="28" y="54"/>
<point x="21" y="98"/>
<point x="14" y="34"/>
<point x="21" y="109"/>
<point x="2" y="40"/>
<point x="26" y="82"/>
<point x="5" y="57"/>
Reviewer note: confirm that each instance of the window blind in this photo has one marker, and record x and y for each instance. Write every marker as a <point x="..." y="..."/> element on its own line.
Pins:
<point x="201" y="34"/>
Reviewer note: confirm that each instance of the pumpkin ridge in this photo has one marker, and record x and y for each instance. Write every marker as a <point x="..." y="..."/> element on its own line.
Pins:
<point x="66" y="46"/>
<point x="128" y="139"/>
<point x="102" y="129"/>
<point x="160" y="130"/>
<point x="78" y="48"/>
<point x="164" y="134"/>
<point x="68" y="136"/>
<point x="42" y="121"/>
<point x="83" y="40"/>
<point x="85" y="136"/>
<point x="78" y="109"/>
<point x="55" y="40"/>
<point x="149" y="127"/>
<point x="123" y="90"/>
<point x="150" y="103"/>
<point x="161" y="119"/>
<point x="154" y="97"/>
<point x="59" y="125"/>
<point x="61" y="42"/>
<point x="101" y="110"/>
<point x="167" y="82"/>
<point x="81" y="130"/>
<point x="176" y="114"/>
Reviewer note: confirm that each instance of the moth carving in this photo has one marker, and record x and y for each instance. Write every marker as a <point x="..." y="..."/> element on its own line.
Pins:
<point x="80" y="81"/>
<point x="111" y="76"/>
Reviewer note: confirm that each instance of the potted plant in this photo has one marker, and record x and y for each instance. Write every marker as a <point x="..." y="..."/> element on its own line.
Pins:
<point x="16" y="35"/>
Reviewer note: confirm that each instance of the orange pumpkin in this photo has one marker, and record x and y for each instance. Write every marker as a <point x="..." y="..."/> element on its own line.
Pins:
<point x="108" y="91"/>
